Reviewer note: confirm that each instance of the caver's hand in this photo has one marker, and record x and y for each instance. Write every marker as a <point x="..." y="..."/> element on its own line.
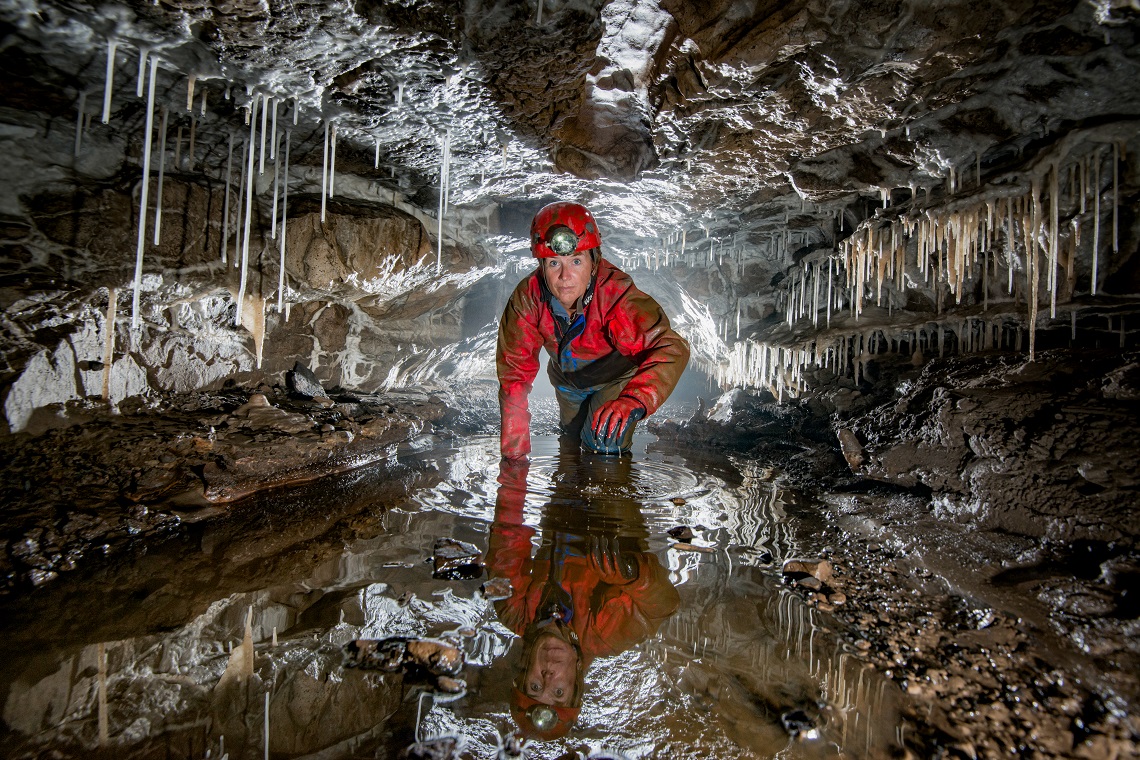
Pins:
<point x="612" y="418"/>
<point x="609" y="562"/>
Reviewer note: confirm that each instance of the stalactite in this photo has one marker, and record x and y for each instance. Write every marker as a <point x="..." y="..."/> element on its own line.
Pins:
<point x="109" y="80"/>
<point x="273" y="141"/>
<point x="264" y="124"/>
<point x="161" y="176"/>
<point x="1054" y="224"/>
<point x="149" y="129"/>
<point x="143" y="52"/>
<point x="248" y="211"/>
<point x="273" y="207"/>
<point x="284" y="212"/>
<point x="332" y="162"/>
<point x="190" y="91"/>
<point x="226" y="202"/>
<point x="1096" y="220"/>
<point x="1115" y="196"/>
<point x="325" y="172"/>
<point x="245" y="150"/>
<point x="1032" y="267"/>
<point x="443" y="181"/>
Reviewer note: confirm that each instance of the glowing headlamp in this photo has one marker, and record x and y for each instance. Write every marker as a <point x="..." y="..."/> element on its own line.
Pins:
<point x="562" y="240"/>
<point x="542" y="717"/>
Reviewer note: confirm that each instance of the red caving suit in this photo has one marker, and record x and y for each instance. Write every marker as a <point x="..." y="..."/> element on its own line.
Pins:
<point x="624" y="330"/>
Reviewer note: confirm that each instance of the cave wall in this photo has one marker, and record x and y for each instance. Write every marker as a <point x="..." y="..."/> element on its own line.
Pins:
<point x="787" y="176"/>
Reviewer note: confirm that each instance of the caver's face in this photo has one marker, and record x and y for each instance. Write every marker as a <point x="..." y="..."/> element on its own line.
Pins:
<point x="568" y="277"/>
<point x="552" y="672"/>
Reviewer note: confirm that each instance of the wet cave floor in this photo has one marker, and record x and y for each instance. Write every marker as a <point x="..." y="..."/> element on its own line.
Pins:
<point x="693" y="637"/>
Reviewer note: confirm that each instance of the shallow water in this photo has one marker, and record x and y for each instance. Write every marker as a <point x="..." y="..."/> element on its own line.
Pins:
<point x="686" y="650"/>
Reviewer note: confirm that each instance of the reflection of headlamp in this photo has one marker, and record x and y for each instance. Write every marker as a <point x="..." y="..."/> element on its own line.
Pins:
<point x="562" y="240"/>
<point x="542" y="717"/>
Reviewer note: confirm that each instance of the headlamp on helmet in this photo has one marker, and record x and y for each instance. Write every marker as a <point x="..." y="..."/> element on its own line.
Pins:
<point x="560" y="229"/>
<point x="562" y="240"/>
<point x="542" y="717"/>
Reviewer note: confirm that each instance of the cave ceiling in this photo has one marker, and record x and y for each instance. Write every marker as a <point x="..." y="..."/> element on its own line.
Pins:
<point x="729" y="116"/>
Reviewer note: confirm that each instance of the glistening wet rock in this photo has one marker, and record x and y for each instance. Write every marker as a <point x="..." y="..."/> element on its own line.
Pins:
<point x="137" y="474"/>
<point x="817" y="568"/>
<point x="978" y="429"/>
<point x="301" y="381"/>
<point x="456" y="560"/>
<point x="496" y="589"/>
<point x="400" y="653"/>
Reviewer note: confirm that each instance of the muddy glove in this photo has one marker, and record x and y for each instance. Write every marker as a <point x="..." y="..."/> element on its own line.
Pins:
<point x="613" y="417"/>
<point x="614" y="566"/>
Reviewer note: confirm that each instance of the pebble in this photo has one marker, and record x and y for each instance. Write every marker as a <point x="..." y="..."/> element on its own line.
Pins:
<point x="456" y="560"/>
<point x="810" y="582"/>
<point x="496" y="589"/>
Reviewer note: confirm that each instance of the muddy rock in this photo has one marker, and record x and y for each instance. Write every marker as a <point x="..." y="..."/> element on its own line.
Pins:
<point x="976" y="430"/>
<point x="302" y="382"/>
<point x="118" y="471"/>
<point x="456" y="560"/>
<point x="820" y="569"/>
<point x="496" y="589"/>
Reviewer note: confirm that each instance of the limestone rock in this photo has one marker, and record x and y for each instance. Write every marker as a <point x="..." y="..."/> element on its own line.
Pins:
<point x="820" y="569"/>
<point x="455" y="560"/>
<point x="851" y="448"/>
<point x="303" y="382"/>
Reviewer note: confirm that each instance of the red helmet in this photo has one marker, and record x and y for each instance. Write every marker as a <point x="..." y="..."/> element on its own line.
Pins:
<point x="562" y="228"/>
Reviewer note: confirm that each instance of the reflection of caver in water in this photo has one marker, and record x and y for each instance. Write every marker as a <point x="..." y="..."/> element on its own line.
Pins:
<point x="614" y="359"/>
<point x="592" y="588"/>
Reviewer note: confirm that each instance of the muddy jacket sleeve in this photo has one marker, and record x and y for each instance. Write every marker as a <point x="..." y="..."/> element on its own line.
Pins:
<point x="509" y="546"/>
<point x="516" y="361"/>
<point x="638" y="327"/>
<point x="624" y="615"/>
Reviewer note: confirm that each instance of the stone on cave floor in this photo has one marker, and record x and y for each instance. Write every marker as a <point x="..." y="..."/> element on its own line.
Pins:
<point x="456" y="560"/>
<point x="798" y="568"/>
<point x="496" y="589"/>
<point x="302" y="382"/>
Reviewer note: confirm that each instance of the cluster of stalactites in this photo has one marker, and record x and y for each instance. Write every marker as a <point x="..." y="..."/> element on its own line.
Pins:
<point x="784" y="370"/>
<point x="1027" y="232"/>
<point x="251" y="150"/>
<point x="677" y="249"/>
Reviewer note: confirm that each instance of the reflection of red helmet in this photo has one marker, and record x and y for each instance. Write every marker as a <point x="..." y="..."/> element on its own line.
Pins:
<point x="562" y="228"/>
<point x="538" y="720"/>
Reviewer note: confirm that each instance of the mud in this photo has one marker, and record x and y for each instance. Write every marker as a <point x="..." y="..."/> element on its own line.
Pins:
<point x="981" y="516"/>
<point x="96" y="479"/>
